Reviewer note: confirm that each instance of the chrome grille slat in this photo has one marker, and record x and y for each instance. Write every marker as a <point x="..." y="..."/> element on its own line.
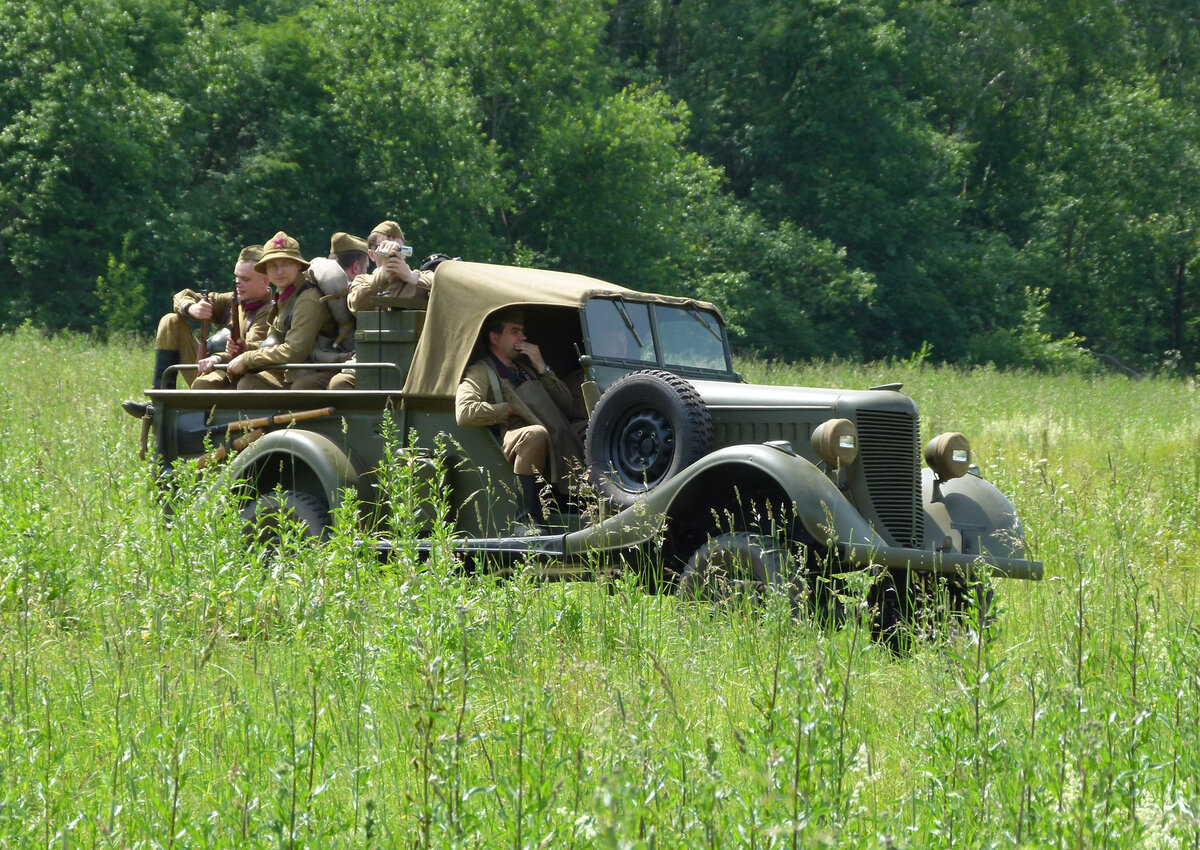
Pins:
<point x="889" y="446"/>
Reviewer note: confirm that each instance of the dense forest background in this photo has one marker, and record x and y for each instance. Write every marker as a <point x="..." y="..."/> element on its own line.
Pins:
<point x="969" y="180"/>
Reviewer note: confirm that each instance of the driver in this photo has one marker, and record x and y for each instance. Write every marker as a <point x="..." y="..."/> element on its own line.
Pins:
<point x="512" y="388"/>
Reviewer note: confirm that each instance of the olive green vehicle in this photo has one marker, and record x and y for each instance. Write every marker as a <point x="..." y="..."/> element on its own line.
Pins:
<point x="690" y="468"/>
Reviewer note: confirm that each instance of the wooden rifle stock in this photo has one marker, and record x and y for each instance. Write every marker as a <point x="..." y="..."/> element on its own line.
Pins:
<point x="277" y="419"/>
<point x="236" y="318"/>
<point x="202" y="348"/>
<point x="220" y="453"/>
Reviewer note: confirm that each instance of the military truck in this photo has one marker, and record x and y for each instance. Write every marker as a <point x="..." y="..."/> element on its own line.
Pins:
<point x="719" y="482"/>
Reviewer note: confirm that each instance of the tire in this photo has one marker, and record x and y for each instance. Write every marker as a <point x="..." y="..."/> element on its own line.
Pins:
<point x="648" y="427"/>
<point x="263" y="516"/>
<point x="733" y="566"/>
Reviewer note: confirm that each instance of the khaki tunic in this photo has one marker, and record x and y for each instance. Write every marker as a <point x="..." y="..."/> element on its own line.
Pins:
<point x="475" y="405"/>
<point x="296" y="324"/>
<point x="367" y="286"/>
<point x="255" y="326"/>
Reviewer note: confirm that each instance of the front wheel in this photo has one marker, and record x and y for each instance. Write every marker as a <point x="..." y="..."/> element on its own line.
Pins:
<point x="268" y="515"/>
<point x="734" y="566"/>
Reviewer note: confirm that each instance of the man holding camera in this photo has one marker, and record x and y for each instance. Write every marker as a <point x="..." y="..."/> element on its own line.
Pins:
<point x="387" y="247"/>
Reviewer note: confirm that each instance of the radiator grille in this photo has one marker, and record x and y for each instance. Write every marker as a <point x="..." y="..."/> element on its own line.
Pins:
<point x="889" y="445"/>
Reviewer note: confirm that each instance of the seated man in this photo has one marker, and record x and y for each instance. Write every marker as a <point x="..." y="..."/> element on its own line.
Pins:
<point x="512" y="387"/>
<point x="347" y="260"/>
<point x="253" y="306"/>
<point x="299" y="323"/>
<point x="175" y="342"/>
<point x="393" y="276"/>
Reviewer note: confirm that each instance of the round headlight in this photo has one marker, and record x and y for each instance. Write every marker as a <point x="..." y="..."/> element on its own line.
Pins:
<point x="836" y="442"/>
<point x="949" y="455"/>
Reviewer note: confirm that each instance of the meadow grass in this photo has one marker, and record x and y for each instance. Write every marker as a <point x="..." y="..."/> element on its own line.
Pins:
<point x="166" y="684"/>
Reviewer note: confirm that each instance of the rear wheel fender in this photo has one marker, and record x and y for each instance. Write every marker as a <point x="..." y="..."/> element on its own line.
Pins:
<point x="303" y="461"/>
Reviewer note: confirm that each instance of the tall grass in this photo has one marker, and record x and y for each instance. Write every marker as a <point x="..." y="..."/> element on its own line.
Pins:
<point x="164" y="684"/>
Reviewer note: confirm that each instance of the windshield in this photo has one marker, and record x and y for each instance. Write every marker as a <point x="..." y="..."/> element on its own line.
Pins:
<point x="680" y="336"/>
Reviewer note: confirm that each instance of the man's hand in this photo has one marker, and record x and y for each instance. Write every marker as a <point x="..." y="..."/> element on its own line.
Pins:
<point x="234" y="347"/>
<point x="532" y="353"/>
<point x="206" y="365"/>
<point x="396" y="270"/>
<point x="237" y="367"/>
<point x="202" y="309"/>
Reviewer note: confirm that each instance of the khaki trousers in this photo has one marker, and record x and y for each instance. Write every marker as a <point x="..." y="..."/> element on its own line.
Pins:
<point x="526" y="449"/>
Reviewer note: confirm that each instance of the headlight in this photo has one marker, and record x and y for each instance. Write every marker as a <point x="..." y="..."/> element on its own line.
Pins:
<point x="836" y="442"/>
<point x="949" y="455"/>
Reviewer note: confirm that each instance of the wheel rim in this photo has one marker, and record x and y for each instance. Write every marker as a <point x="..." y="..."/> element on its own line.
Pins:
<point x="643" y="447"/>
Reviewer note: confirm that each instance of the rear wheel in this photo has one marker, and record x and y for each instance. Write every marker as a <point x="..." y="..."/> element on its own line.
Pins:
<point x="268" y="515"/>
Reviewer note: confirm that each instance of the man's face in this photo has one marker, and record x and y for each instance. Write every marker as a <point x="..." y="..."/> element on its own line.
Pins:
<point x="251" y="285"/>
<point x="503" y="344"/>
<point x="283" y="272"/>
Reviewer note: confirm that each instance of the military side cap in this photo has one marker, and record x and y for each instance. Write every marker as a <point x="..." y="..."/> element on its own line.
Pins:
<point x="389" y="228"/>
<point x="250" y="254"/>
<point x="341" y="242"/>
<point x="280" y="247"/>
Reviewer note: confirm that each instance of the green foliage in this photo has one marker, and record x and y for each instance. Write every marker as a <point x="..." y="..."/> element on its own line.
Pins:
<point x="843" y="178"/>
<point x="167" y="682"/>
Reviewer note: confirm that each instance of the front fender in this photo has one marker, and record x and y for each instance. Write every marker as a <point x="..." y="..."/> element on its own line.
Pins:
<point x="824" y="512"/>
<point x="295" y="459"/>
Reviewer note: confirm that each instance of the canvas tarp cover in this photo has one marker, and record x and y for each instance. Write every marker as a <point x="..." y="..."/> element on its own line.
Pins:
<point x="464" y="294"/>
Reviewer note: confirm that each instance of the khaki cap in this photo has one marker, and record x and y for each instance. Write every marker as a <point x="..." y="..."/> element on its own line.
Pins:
<point x="280" y="246"/>
<point x="250" y="254"/>
<point x="389" y="228"/>
<point x="341" y="242"/>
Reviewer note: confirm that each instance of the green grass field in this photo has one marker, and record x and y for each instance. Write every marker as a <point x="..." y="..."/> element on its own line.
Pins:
<point x="165" y="685"/>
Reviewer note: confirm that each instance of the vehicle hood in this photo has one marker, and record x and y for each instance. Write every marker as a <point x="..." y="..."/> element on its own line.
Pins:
<point x="729" y="396"/>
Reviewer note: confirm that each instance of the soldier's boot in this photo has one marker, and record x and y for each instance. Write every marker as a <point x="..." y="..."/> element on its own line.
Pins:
<point x="532" y="516"/>
<point x="163" y="358"/>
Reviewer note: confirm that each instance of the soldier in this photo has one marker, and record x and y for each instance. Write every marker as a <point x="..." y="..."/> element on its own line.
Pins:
<point x="347" y="260"/>
<point x="254" y="310"/>
<point x="175" y="342"/>
<point x="393" y="276"/>
<point x="512" y="388"/>
<point x="300" y="323"/>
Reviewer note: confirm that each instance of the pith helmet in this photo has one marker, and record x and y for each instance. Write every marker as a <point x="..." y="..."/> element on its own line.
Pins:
<point x="280" y="246"/>
<point x="341" y="242"/>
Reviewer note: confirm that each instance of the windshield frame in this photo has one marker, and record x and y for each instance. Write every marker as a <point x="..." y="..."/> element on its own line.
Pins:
<point x="653" y="304"/>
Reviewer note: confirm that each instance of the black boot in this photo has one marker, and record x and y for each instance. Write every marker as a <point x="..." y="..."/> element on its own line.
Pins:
<point x="137" y="409"/>
<point x="532" y="515"/>
<point x="162" y="359"/>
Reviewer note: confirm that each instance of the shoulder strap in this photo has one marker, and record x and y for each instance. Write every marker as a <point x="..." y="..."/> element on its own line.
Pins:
<point x="494" y="378"/>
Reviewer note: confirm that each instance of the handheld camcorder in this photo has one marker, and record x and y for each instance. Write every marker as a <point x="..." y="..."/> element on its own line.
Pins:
<point x="393" y="249"/>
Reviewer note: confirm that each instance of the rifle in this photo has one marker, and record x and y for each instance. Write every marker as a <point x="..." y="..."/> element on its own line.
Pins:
<point x="191" y="429"/>
<point x="235" y="318"/>
<point x="220" y="453"/>
<point x="202" y="348"/>
<point x="272" y="421"/>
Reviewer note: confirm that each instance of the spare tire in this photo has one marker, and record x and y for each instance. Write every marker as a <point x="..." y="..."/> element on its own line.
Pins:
<point x="646" y="428"/>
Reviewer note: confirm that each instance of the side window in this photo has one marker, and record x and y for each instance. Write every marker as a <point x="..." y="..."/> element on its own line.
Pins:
<point x="620" y="330"/>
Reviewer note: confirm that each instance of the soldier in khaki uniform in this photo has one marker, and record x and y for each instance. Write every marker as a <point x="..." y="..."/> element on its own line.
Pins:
<point x="254" y="310"/>
<point x="300" y="323"/>
<point x="511" y="388"/>
<point x="175" y="342"/>
<point x="393" y="276"/>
